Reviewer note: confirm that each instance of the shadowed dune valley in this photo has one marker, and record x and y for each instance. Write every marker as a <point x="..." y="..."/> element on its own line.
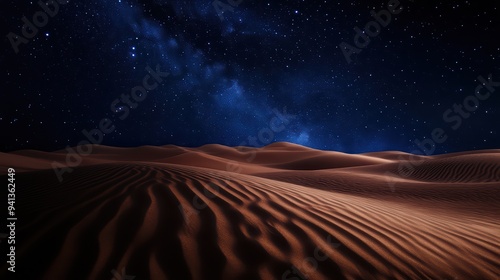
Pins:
<point x="283" y="211"/>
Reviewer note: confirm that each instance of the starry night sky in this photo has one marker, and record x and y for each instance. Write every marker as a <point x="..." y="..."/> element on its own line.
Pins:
<point x="229" y="75"/>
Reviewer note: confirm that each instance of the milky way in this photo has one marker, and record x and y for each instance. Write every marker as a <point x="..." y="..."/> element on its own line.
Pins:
<point x="259" y="72"/>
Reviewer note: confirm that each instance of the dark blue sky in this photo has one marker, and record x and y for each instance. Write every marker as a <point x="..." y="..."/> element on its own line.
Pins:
<point x="232" y="77"/>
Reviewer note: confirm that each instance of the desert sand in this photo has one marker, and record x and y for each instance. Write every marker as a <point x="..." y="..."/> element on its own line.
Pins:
<point x="283" y="211"/>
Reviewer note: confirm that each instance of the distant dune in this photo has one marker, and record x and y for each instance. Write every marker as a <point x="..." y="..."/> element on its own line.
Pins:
<point x="283" y="211"/>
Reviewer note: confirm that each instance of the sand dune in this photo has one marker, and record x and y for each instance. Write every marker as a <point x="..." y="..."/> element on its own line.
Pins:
<point x="287" y="212"/>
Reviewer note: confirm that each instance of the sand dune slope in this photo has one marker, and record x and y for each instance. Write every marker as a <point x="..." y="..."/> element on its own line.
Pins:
<point x="157" y="220"/>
